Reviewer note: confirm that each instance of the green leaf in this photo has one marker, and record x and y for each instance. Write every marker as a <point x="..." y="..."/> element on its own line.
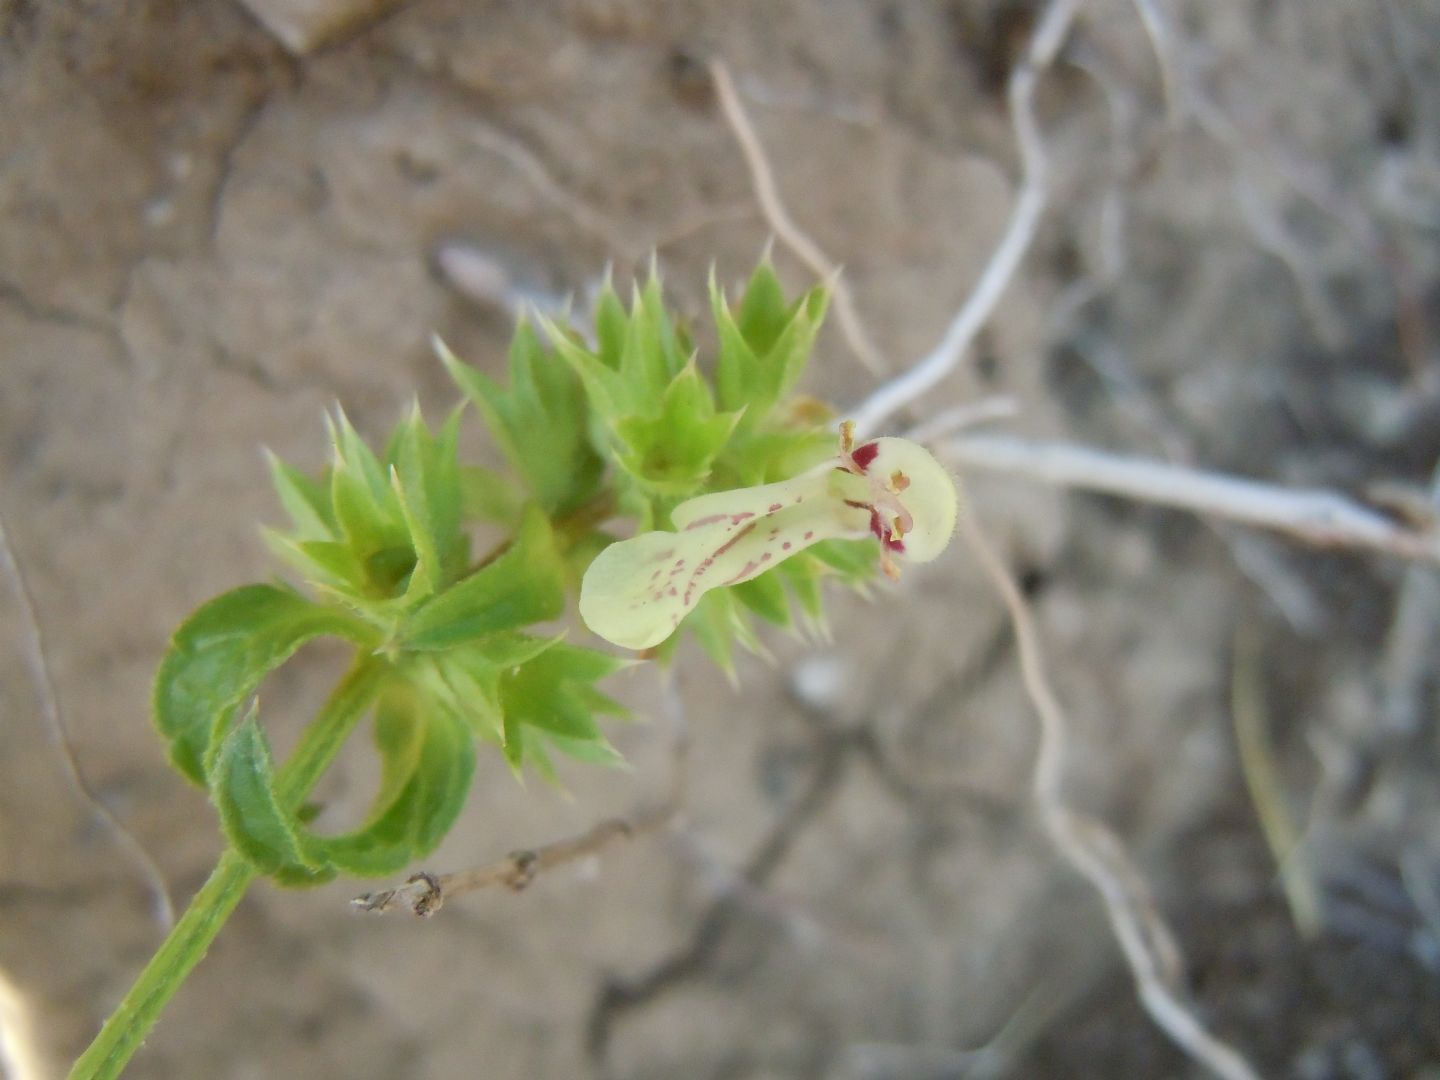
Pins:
<point x="427" y="760"/>
<point x="426" y="477"/>
<point x="466" y="679"/>
<point x="219" y="656"/>
<point x="539" y="422"/>
<point x="670" y="451"/>
<point x="323" y="563"/>
<point x="803" y="575"/>
<point x="242" y="783"/>
<point x="853" y="560"/>
<point x="719" y="623"/>
<point x="485" y="495"/>
<point x="364" y="503"/>
<point x="765" y="596"/>
<point x="524" y="585"/>
<point x="765" y="345"/>
<point x="610" y="394"/>
<point x="306" y="501"/>
<point x="611" y="325"/>
<point x="549" y="700"/>
<point x="653" y="352"/>
<point x="638" y="355"/>
<point x="752" y="458"/>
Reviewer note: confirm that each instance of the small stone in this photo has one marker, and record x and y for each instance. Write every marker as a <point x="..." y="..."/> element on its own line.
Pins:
<point x="819" y="681"/>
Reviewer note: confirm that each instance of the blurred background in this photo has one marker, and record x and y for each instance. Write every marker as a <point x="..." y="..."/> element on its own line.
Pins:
<point x="218" y="217"/>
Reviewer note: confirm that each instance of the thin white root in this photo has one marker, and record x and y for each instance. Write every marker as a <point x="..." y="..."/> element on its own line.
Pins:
<point x="1093" y="849"/>
<point x="161" y="906"/>
<point x="1159" y="41"/>
<point x="1030" y="202"/>
<point x="1408" y="657"/>
<point x="963" y="417"/>
<point x="767" y="194"/>
<point x="1315" y="516"/>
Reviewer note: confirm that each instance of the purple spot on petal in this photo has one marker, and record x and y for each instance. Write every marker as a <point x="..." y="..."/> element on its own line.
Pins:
<point x="734" y="539"/>
<point x="785" y="546"/>
<point x="808" y="535"/>
<point x="745" y="571"/>
<point x="708" y="519"/>
<point x="774" y="507"/>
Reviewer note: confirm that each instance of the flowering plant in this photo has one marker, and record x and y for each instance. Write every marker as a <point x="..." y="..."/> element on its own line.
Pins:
<point x="740" y="508"/>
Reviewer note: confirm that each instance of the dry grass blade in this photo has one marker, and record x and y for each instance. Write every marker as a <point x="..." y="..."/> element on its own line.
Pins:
<point x="767" y="194"/>
<point x="1247" y="712"/>
<point x="1089" y="845"/>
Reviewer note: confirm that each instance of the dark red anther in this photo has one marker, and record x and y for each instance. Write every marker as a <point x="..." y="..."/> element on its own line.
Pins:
<point x="864" y="455"/>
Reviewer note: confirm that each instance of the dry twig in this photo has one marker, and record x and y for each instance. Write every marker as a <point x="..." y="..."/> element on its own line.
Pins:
<point x="1093" y="849"/>
<point x="424" y="893"/>
<point x="767" y="194"/>
<point x="1313" y="516"/>
<point x="161" y="906"/>
<point x="1030" y="201"/>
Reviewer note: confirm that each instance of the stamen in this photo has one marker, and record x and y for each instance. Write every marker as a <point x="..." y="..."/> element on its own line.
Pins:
<point x="889" y="566"/>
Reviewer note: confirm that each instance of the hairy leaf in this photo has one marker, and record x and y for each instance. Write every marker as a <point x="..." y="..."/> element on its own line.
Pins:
<point x="539" y="421"/>
<point x="426" y="477"/>
<point x="242" y="783"/>
<point x="764" y="345"/>
<point x="524" y="585"/>
<point x="427" y="759"/>
<point x="550" y="700"/>
<point x="219" y="656"/>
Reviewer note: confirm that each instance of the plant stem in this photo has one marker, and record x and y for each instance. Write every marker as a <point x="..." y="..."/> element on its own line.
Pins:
<point x="186" y="944"/>
<point x="189" y="940"/>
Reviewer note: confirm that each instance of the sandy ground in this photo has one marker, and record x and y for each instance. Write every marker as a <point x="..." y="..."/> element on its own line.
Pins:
<point x="205" y="240"/>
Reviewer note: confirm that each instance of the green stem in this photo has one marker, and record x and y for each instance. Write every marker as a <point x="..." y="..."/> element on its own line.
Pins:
<point x="189" y="940"/>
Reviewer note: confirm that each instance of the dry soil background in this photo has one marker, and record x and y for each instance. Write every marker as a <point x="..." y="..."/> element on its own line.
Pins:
<point x="206" y="238"/>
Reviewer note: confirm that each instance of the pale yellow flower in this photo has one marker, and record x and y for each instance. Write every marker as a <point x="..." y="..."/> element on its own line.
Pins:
<point x="636" y="591"/>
